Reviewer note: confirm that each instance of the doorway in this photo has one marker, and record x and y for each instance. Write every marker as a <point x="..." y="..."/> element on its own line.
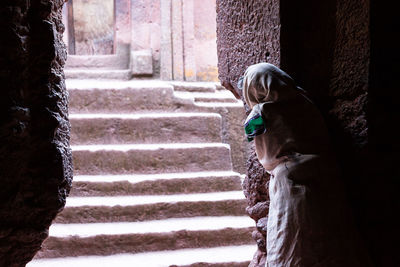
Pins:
<point x="91" y="27"/>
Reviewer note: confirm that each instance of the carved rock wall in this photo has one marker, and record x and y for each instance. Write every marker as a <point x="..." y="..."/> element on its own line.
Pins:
<point x="248" y="33"/>
<point x="35" y="158"/>
<point x="343" y="53"/>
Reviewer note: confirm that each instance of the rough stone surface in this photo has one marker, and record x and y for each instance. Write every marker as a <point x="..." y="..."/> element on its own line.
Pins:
<point x="166" y="160"/>
<point x="343" y="53"/>
<point x="159" y="211"/>
<point x="133" y="243"/>
<point x="247" y="33"/>
<point x="146" y="28"/>
<point x="141" y="62"/>
<point x="35" y="163"/>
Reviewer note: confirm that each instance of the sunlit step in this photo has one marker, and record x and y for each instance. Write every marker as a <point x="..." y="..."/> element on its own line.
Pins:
<point x="151" y="158"/>
<point x="145" y="128"/>
<point x="127" y="147"/>
<point x="161" y="184"/>
<point x="98" y="74"/>
<point x="156" y="226"/>
<point x="137" y="178"/>
<point x="228" y="254"/>
<point x="152" y="199"/>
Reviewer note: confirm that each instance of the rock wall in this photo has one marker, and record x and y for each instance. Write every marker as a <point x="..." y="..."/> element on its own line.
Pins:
<point x="247" y="33"/>
<point x="35" y="158"/>
<point x="343" y="53"/>
<point x="204" y="41"/>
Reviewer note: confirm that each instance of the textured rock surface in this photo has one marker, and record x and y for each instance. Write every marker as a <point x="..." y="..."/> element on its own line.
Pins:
<point x="247" y="33"/>
<point x="342" y="52"/>
<point x="35" y="163"/>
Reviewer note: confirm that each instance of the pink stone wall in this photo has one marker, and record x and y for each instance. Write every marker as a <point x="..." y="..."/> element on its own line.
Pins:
<point x="205" y="34"/>
<point x="189" y="50"/>
<point x="146" y="27"/>
<point x="187" y="28"/>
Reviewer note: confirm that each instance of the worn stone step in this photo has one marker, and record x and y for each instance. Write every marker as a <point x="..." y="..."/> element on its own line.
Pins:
<point x="232" y="256"/>
<point x="218" y="96"/>
<point x="145" y="128"/>
<point x="210" y="87"/>
<point x="151" y="199"/>
<point x="92" y="214"/>
<point x="117" y="74"/>
<point x="101" y="96"/>
<point x="91" y="96"/>
<point x="221" y="264"/>
<point x="175" y="183"/>
<point x="132" y="237"/>
<point x="151" y="207"/>
<point x="151" y="158"/>
<point x="105" y="62"/>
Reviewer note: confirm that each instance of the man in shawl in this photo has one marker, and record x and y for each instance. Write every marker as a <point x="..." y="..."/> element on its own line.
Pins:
<point x="308" y="224"/>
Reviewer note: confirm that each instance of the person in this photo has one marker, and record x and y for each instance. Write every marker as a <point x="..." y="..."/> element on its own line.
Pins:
<point x="308" y="224"/>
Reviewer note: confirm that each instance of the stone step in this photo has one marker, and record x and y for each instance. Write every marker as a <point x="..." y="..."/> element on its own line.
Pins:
<point x="221" y="264"/>
<point x="132" y="237"/>
<point x="93" y="214"/>
<point x="156" y="226"/>
<point x="145" y="128"/>
<point x="105" y="62"/>
<point x="232" y="256"/>
<point x="141" y="208"/>
<point x="210" y="87"/>
<point x="218" y="96"/>
<point x="117" y="74"/>
<point x="151" y="199"/>
<point x="91" y="96"/>
<point x="175" y="183"/>
<point x="151" y="158"/>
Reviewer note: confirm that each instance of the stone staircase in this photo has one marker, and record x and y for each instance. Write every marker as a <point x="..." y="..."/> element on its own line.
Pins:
<point x="156" y="182"/>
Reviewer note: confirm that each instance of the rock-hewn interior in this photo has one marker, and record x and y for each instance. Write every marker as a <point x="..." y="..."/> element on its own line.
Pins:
<point x="35" y="163"/>
<point x="342" y="52"/>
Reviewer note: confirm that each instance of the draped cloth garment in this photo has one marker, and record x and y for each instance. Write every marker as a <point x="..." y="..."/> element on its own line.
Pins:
<point x="308" y="225"/>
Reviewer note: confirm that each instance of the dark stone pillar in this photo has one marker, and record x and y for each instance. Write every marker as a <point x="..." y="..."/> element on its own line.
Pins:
<point x="35" y="158"/>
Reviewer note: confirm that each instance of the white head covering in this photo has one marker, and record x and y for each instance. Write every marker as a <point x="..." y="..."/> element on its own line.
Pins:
<point x="264" y="82"/>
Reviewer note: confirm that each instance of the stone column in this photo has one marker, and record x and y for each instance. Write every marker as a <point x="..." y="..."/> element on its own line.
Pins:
<point x="166" y="41"/>
<point x="189" y="41"/>
<point x="122" y="27"/>
<point x="177" y="41"/>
